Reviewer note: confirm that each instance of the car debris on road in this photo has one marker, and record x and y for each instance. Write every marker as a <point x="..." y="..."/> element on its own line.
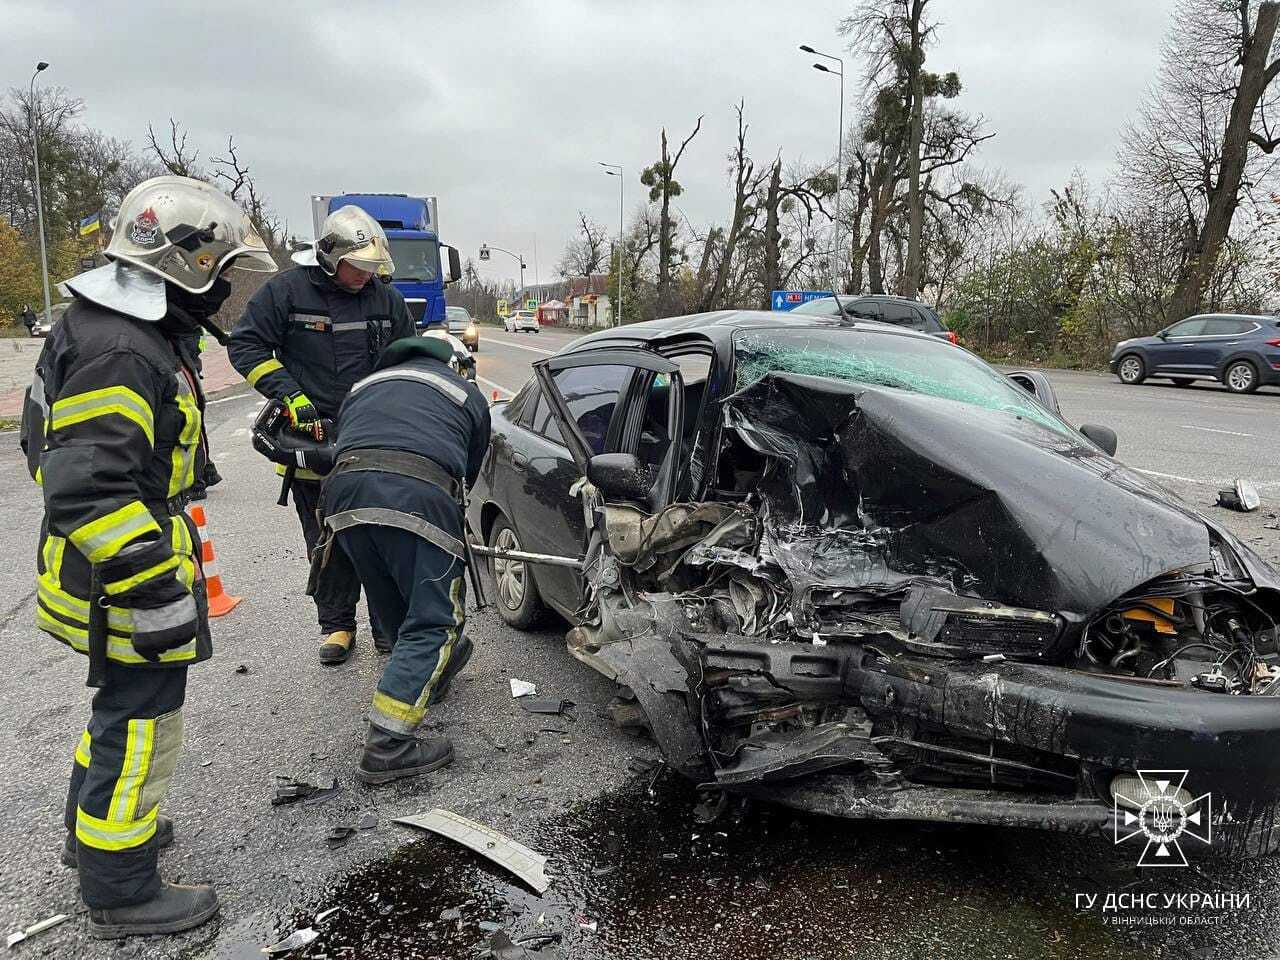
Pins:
<point x="515" y="857"/>
<point x="48" y="923"/>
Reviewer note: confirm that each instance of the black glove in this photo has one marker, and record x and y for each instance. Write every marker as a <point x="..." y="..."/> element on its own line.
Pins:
<point x="164" y="610"/>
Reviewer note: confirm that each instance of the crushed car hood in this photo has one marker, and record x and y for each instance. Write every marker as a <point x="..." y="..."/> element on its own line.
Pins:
<point x="1000" y="505"/>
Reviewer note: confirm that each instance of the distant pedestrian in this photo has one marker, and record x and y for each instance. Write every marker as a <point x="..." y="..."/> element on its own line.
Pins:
<point x="29" y="320"/>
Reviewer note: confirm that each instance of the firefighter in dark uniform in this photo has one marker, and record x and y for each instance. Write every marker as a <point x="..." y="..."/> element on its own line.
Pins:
<point x="411" y="438"/>
<point x="112" y="430"/>
<point x="304" y="339"/>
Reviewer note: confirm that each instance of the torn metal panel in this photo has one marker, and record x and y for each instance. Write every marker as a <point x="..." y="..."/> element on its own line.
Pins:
<point x="515" y="857"/>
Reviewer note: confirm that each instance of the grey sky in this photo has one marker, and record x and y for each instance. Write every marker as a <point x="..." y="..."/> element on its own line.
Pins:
<point x="503" y="108"/>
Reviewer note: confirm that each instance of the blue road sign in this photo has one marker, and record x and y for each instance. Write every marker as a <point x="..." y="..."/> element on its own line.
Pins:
<point x="790" y="299"/>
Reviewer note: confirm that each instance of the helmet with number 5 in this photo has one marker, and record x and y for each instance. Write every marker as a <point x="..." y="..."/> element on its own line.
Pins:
<point x="351" y="234"/>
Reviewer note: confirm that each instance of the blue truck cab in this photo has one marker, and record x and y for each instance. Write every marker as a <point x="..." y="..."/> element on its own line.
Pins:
<point x="412" y="228"/>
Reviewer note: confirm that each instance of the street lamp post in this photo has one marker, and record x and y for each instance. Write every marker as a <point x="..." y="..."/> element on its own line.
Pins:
<point x="615" y="170"/>
<point x="839" y="72"/>
<point x="484" y="255"/>
<point x="35" y="152"/>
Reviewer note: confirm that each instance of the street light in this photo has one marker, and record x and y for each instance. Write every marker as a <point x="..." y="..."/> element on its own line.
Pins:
<point x="838" y="273"/>
<point x="484" y="255"/>
<point x="35" y="151"/>
<point x="615" y="170"/>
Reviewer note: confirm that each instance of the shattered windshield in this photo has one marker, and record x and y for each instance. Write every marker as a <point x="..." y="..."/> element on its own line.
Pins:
<point x="929" y="367"/>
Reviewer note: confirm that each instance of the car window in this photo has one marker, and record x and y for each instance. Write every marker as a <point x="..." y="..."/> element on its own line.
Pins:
<point x="900" y="313"/>
<point x="1193" y="327"/>
<point x="654" y="439"/>
<point x="457" y="314"/>
<point x="1226" y="326"/>
<point x="822" y="307"/>
<point x="591" y="394"/>
<point x="543" y="423"/>
<point x="919" y="365"/>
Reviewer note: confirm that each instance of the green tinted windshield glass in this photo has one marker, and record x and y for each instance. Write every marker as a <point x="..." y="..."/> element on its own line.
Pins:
<point x="931" y="367"/>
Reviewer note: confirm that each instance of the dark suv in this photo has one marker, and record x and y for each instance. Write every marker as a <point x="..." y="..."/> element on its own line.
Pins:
<point x="1241" y="352"/>
<point x="887" y="309"/>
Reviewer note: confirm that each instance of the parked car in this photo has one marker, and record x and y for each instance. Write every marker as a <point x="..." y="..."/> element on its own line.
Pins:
<point x="525" y="320"/>
<point x="1241" y="352"/>
<point x="459" y="323"/>
<point x="857" y="571"/>
<point x="899" y="311"/>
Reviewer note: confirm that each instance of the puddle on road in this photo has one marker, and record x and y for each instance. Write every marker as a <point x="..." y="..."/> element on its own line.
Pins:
<point x="766" y="883"/>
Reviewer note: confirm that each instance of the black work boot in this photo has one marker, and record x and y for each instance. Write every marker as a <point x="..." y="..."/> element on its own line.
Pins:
<point x="174" y="909"/>
<point x="383" y="645"/>
<point x="461" y="654"/>
<point x="390" y="757"/>
<point x="164" y="838"/>
<point x="211" y="475"/>
<point x="336" y="647"/>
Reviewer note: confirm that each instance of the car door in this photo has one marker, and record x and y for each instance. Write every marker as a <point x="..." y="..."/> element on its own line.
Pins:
<point x="554" y="374"/>
<point x="1222" y="336"/>
<point x="1179" y="351"/>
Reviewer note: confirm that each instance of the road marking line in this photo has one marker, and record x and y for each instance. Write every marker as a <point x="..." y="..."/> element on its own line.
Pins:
<point x="1173" y="476"/>
<point x="238" y="396"/>
<point x="240" y="432"/>
<point x="1230" y="433"/>
<point x="1206" y="481"/>
<point x="521" y="346"/>
<point x="495" y="386"/>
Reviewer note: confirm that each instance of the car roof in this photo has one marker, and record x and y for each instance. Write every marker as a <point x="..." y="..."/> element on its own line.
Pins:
<point x="721" y="325"/>
<point x="1233" y="316"/>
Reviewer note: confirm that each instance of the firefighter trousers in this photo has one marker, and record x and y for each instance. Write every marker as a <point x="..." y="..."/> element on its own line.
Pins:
<point x="120" y="776"/>
<point x="337" y="586"/>
<point x="419" y="593"/>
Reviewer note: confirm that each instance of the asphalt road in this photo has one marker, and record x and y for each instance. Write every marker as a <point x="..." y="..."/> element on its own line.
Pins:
<point x="624" y="849"/>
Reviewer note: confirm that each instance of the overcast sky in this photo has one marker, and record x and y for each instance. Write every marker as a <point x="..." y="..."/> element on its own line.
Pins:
<point x="502" y="108"/>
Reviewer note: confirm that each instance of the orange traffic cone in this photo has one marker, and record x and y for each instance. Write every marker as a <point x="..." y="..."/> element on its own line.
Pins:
<point x="220" y="602"/>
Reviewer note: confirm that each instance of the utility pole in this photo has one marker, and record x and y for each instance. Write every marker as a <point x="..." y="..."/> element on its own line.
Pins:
<point x="615" y="170"/>
<point x="837" y="270"/>
<point x="35" y="152"/>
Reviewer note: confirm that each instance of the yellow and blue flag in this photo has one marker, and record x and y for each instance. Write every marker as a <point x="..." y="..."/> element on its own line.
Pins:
<point x="89" y="224"/>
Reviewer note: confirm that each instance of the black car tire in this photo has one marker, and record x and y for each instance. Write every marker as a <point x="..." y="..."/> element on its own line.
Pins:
<point x="1241" y="377"/>
<point x="516" y="594"/>
<point x="1183" y="381"/>
<point x="1131" y="369"/>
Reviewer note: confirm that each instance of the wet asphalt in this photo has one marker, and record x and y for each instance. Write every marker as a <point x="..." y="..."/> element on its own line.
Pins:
<point x="634" y="874"/>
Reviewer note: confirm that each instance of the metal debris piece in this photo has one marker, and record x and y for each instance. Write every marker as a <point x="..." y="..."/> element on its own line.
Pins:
<point x="641" y="765"/>
<point x="295" y="941"/>
<point x="291" y="791"/>
<point x="453" y="913"/>
<point x="18" y="936"/>
<point x="523" y="688"/>
<point x="519" y="859"/>
<point x="242" y="669"/>
<point x="1241" y="495"/>
<point x="368" y="821"/>
<point x="324" y="915"/>
<point x="588" y="925"/>
<point x="502" y="947"/>
<point x="553" y="708"/>
<point x="338" y="836"/>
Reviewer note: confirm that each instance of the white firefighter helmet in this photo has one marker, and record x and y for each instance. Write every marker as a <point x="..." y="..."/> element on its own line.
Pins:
<point x="186" y="232"/>
<point x="350" y="234"/>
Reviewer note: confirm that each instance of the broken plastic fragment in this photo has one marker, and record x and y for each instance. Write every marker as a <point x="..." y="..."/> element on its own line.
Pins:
<point x="523" y="688"/>
<point x="291" y="791"/>
<point x="324" y="915"/>
<point x="295" y="940"/>
<point x="18" y="936"/>
<point x="519" y="859"/>
<point x="1242" y="496"/>
<point x="338" y="836"/>
<point x="564" y="708"/>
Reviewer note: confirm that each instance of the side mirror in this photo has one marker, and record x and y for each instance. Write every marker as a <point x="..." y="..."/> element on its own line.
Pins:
<point x="620" y="476"/>
<point x="453" y="266"/>
<point x="1163" y="334"/>
<point x="1103" y="437"/>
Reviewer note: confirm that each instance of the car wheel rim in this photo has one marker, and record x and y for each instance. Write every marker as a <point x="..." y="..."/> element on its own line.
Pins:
<point x="509" y="574"/>
<point x="1130" y="369"/>
<point x="1240" y="377"/>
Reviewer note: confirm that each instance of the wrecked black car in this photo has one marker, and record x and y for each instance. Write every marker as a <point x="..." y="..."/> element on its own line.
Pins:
<point x="852" y="569"/>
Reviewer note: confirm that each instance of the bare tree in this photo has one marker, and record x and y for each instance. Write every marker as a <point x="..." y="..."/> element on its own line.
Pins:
<point x="660" y="178"/>
<point x="586" y="253"/>
<point x="1205" y="134"/>
<point x="177" y="158"/>
<point x="234" y="176"/>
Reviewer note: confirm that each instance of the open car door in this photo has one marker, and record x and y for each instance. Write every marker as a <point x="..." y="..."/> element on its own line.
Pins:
<point x="624" y="475"/>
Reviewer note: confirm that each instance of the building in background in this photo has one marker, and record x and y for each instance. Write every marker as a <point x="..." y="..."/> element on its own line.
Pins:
<point x="588" y="301"/>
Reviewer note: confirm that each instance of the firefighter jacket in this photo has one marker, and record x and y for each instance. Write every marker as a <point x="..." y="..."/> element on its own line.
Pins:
<point x="302" y="332"/>
<point x="112" y="432"/>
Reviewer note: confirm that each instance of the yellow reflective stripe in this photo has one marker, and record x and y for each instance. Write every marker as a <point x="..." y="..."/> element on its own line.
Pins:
<point x="183" y="473"/>
<point x="55" y="598"/>
<point x="262" y="369"/>
<point x="133" y="770"/>
<point x="102" y="538"/>
<point x="82" y="749"/>
<point x="40" y="476"/>
<point x="100" y="403"/>
<point x="400" y="713"/>
<point x="121" y="651"/>
<point x="54" y="549"/>
<point x="114" y="835"/>
<point x="299" y="473"/>
<point x="153" y="571"/>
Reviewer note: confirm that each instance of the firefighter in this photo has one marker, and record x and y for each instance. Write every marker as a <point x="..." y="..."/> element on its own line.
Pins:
<point x="112" y="429"/>
<point x="305" y="338"/>
<point x="411" y="438"/>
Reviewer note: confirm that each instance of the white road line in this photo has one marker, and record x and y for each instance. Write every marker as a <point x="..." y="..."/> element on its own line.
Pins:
<point x="240" y="432"/>
<point x="521" y="346"/>
<point x="1206" y="481"/>
<point x="1174" y="476"/>
<point x="1230" y="433"/>
<point x="493" y="385"/>
<point x="238" y="396"/>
